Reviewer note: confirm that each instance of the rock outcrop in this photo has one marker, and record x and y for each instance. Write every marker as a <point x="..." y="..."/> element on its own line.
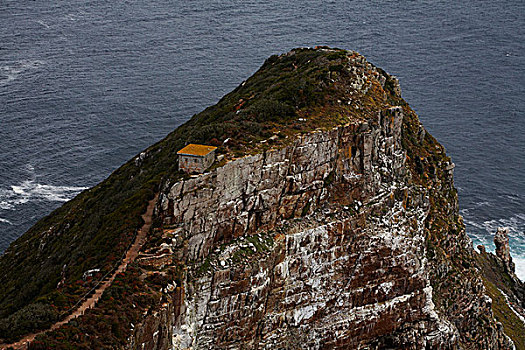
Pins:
<point x="325" y="243"/>
<point x="330" y="222"/>
<point x="345" y="265"/>
<point x="501" y="241"/>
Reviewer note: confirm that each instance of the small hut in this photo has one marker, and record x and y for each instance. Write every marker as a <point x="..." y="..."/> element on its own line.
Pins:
<point x="196" y="158"/>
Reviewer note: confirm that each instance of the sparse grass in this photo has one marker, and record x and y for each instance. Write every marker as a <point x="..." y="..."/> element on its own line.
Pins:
<point x="512" y="325"/>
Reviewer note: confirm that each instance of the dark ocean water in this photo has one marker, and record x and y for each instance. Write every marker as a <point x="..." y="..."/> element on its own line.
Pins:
<point x="86" y="85"/>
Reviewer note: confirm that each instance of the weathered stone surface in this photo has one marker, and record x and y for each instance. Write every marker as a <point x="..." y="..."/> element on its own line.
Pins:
<point x="326" y="243"/>
<point x="155" y="332"/>
<point x="501" y="240"/>
<point x="346" y="266"/>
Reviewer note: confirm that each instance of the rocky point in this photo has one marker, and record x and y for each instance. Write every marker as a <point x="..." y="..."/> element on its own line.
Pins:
<point x="330" y="222"/>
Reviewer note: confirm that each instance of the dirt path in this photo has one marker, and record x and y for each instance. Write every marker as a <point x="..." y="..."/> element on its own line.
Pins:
<point x="89" y="303"/>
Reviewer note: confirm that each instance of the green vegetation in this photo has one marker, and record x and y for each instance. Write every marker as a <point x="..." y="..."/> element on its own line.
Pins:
<point x="444" y="229"/>
<point x="291" y="94"/>
<point x="122" y="305"/>
<point x="42" y="273"/>
<point x="512" y="325"/>
<point x="30" y="317"/>
<point x="71" y="240"/>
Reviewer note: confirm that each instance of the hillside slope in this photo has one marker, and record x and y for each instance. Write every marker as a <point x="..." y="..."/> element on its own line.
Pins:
<point x="331" y="222"/>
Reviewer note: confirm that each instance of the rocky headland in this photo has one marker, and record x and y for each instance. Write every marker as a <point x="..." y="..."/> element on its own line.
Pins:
<point x="330" y="222"/>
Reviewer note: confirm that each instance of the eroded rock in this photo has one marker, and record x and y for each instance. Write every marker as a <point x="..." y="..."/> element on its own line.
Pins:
<point x="501" y="240"/>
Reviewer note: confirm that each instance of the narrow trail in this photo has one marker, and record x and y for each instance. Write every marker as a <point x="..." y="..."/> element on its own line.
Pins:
<point x="90" y="302"/>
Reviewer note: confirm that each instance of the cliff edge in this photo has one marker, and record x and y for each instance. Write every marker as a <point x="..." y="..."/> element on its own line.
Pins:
<point x="331" y="221"/>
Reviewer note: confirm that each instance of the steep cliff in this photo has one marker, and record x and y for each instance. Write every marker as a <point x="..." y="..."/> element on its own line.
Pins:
<point x="504" y="287"/>
<point x="331" y="222"/>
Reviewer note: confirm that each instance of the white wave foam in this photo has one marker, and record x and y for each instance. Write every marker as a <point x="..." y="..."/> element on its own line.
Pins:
<point x="71" y="17"/>
<point x="520" y="266"/>
<point x="12" y="70"/>
<point x="519" y="261"/>
<point x="32" y="191"/>
<point x="515" y="223"/>
<point x="509" y="304"/>
<point x="43" y="24"/>
<point x="482" y="232"/>
<point x="5" y="205"/>
<point x="5" y="221"/>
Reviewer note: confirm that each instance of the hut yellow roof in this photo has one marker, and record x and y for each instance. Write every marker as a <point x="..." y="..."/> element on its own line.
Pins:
<point x="196" y="150"/>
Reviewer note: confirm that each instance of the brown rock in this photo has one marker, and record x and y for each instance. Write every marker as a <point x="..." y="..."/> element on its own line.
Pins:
<point x="501" y="240"/>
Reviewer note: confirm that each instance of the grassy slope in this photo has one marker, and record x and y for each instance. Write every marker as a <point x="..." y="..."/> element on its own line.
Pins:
<point x="512" y="325"/>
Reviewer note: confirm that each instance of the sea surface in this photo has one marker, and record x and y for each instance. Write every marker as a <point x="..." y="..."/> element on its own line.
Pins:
<point x="86" y="85"/>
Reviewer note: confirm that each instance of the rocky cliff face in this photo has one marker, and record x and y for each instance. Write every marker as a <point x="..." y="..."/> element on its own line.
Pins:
<point x="331" y="222"/>
<point x="338" y="253"/>
<point x="322" y="244"/>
